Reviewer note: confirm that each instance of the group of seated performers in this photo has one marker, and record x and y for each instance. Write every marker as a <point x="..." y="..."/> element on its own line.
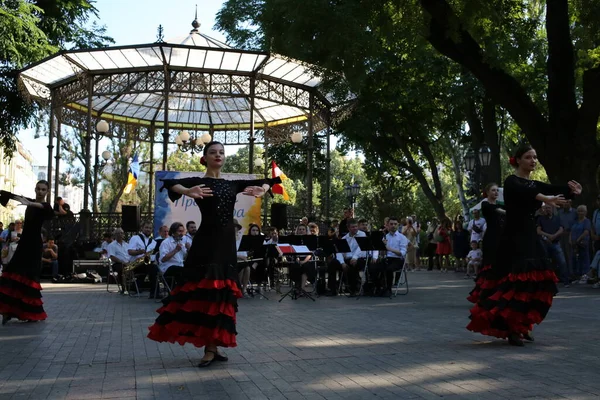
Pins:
<point x="333" y="265"/>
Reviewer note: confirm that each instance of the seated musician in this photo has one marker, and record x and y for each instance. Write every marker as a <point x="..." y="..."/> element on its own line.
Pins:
<point x="258" y="270"/>
<point x="354" y="262"/>
<point x="271" y="261"/>
<point x="396" y="244"/>
<point x="242" y="258"/>
<point x="304" y="267"/>
<point x="117" y="252"/>
<point x="107" y="240"/>
<point x="172" y="252"/>
<point x="140" y="246"/>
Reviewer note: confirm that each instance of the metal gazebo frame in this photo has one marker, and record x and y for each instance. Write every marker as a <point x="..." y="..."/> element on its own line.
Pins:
<point x="193" y="82"/>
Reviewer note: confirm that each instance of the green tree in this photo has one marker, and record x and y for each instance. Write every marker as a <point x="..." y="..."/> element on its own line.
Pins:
<point x="30" y="31"/>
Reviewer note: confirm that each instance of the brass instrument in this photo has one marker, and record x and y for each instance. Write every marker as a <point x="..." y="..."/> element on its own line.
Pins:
<point x="127" y="273"/>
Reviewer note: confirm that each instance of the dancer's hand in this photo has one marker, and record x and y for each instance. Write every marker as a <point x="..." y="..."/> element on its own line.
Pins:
<point x="23" y="200"/>
<point x="199" y="192"/>
<point x="557" y="201"/>
<point x="256" y="191"/>
<point x="575" y="187"/>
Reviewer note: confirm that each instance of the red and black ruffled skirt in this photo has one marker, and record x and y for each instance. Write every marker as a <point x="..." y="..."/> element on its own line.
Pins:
<point x="513" y="303"/>
<point x="200" y="311"/>
<point x="21" y="298"/>
<point x="484" y="285"/>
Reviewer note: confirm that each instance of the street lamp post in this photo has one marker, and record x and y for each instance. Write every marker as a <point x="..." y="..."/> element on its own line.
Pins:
<point x="476" y="162"/>
<point x="352" y="192"/>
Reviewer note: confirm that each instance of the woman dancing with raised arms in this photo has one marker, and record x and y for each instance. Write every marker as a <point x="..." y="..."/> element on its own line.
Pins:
<point x="20" y="287"/>
<point x="525" y="282"/>
<point x="202" y="310"/>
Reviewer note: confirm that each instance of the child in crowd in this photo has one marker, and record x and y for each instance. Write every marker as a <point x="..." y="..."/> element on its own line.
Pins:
<point x="474" y="259"/>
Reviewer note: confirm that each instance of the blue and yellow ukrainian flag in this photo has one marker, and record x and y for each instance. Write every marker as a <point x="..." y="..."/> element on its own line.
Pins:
<point x="134" y="170"/>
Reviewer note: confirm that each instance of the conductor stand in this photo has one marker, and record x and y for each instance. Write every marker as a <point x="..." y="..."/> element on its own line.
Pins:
<point x="254" y="247"/>
<point x="296" y="289"/>
<point x="372" y="245"/>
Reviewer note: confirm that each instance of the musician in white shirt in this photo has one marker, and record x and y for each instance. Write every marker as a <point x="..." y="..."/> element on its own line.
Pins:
<point x="396" y="244"/>
<point x="242" y="258"/>
<point x="191" y="229"/>
<point x="172" y="251"/>
<point x="117" y="251"/>
<point x="354" y="261"/>
<point x="140" y="246"/>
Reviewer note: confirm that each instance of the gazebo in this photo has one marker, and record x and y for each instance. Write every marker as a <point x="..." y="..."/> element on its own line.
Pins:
<point x="193" y="83"/>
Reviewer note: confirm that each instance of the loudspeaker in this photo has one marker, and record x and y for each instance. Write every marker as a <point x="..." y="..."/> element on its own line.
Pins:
<point x="279" y="215"/>
<point x="130" y="221"/>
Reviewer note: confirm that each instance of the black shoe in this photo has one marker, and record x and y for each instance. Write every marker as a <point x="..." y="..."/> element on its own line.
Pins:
<point x="515" y="340"/>
<point x="331" y="293"/>
<point x="220" y="357"/>
<point x="529" y="337"/>
<point x="5" y="319"/>
<point x="204" y="364"/>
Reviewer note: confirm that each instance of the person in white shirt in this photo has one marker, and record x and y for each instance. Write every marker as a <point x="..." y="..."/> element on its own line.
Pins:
<point x="117" y="252"/>
<point x="242" y="257"/>
<point x="191" y="229"/>
<point x="172" y="252"/>
<point x="142" y="245"/>
<point x="105" y="243"/>
<point x="477" y="227"/>
<point x="397" y="245"/>
<point x="353" y="262"/>
<point x="474" y="259"/>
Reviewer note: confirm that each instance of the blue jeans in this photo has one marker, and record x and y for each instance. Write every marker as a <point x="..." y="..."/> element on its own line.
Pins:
<point x="581" y="260"/>
<point x="555" y="251"/>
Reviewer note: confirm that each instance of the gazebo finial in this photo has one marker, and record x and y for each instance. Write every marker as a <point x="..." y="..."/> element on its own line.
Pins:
<point x="195" y="23"/>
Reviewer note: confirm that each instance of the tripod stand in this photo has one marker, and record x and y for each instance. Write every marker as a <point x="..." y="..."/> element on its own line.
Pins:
<point x="295" y="292"/>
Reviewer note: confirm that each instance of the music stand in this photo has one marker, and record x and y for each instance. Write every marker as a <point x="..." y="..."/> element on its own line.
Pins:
<point x="253" y="244"/>
<point x="365" y="244"/>
<point x="293" y="292"/>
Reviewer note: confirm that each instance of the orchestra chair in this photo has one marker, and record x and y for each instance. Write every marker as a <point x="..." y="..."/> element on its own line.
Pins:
<point x="402" y="283"/>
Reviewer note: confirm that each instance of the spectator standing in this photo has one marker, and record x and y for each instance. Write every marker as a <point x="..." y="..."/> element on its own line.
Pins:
<point x="476" y="227"/>
<point x="580" y="243"/>
<point x="596" y="225"/>
<point x="550" y="230"/>
<point x="567" y="216"/>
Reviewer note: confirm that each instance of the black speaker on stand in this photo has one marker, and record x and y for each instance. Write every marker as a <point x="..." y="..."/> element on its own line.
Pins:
<point x="130" y="221"/>
<point x="279" y="215"/>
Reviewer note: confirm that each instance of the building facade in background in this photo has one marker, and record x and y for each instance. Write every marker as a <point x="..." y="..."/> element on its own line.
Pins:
<point x="73" y="195"/>
<point x="16" y="176"/>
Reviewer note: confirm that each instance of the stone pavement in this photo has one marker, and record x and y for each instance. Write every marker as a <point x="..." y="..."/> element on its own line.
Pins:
<point x="94" y="346"/>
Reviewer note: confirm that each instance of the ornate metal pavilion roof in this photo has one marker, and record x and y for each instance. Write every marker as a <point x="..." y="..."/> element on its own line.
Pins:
<point x="205" y="84"/>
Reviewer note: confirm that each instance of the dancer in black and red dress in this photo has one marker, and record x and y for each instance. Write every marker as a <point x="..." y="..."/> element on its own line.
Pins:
<point x="526" y="283"/>
<point x="20" y="287"/>
<point x="202" y="310"/>
<point x="493" y="214"/>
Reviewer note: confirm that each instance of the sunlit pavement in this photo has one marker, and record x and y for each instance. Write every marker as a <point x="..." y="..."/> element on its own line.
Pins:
<point x="94" y="346"/>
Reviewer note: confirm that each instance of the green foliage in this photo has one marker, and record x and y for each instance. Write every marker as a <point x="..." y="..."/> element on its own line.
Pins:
<point x="30" y="31"/>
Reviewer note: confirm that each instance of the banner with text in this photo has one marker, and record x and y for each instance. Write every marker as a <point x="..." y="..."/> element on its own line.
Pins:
<point x="246" y="211"/>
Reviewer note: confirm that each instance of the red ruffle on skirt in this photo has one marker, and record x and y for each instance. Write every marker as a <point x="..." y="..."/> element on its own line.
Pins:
<point x="199" y="336"/>
<point x="19" y="303"/>
<point x="509" y="310"/>
<point x="191" y="316"/>
<point x="22" y="279"/>
<point x="481" y="283"/>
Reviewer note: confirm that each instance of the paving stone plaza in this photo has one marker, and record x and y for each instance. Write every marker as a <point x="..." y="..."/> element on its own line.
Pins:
<point x="94" y="346"/>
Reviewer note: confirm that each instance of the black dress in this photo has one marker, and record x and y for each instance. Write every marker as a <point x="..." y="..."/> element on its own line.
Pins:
<point x="20" y="295"/>
<point x="524" y="282"/>
<point x="460" y="243"/>
<point x="494" y="220"/>
<point x="202" y="310"/>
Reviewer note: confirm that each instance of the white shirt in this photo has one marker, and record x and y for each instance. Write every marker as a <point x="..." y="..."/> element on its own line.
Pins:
<point x="396" y="241"/>
<point x="137" y="243"/>
<point x="355" y="252"/>
<point x="119" y="250"/>
<point x="475" y="254"/>
<point x="167" y="246"/>
<point x="187" y="239"/>
<point x="477" y="236"/>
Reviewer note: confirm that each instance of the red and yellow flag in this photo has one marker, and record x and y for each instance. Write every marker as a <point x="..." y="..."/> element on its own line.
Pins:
<point x="278" y="188"/>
